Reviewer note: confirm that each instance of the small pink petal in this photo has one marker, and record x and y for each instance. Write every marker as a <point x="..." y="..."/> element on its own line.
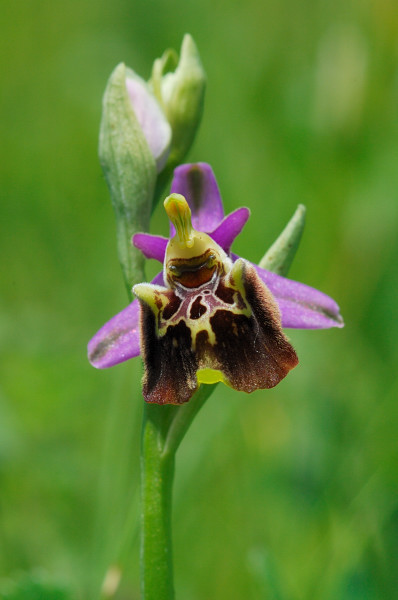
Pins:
<point x="151" y="246"/>
<point x="230" y="227"/>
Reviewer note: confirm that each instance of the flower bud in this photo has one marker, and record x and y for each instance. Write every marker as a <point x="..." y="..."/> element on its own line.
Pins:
<point x="180" y="87"/>
<point x="127" y="148"/>
<point x="151" y="118"/>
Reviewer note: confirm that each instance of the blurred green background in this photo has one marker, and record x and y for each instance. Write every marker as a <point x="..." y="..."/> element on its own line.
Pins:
<point x="287" y="494"/>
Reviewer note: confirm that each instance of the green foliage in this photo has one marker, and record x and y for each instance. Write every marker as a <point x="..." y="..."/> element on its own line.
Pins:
<point x="32" y="587"/>
<point x="287" y="494"/>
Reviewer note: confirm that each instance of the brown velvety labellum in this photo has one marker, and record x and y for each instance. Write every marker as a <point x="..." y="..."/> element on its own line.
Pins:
<point x="232" y="325"/>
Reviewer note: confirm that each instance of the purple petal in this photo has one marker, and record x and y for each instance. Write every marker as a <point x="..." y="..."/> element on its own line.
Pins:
<point x="119" y="339"/>
<point x="301" y="306"/>
<point x="151" y="246"/>
<point x="199" y="186"/>
<point x="230" y="228"/>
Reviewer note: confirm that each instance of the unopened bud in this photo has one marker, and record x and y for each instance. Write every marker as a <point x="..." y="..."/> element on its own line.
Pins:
<point x="130" y="170"/>
<point x="180" y="88"/>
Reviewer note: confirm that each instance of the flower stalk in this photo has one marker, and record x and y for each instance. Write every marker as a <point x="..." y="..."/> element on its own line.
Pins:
<point x="146" y="130"/>
<point x="163" y="429"/>
<point x="157" y="472"/>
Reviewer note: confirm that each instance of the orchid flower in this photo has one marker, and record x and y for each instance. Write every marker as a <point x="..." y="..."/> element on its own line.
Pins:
<point x="209" y="315"/>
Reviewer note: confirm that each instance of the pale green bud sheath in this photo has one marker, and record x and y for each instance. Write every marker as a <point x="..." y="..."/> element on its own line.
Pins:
<point x="280" y="255"/>
<point x="130" y="170"/>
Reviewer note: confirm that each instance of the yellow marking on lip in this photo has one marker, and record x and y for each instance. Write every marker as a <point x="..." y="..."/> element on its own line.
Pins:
<point x="198" y="325"/>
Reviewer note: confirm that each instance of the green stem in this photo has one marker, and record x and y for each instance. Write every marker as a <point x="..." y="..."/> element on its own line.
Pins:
<point x="163" y="429"/>
<point x="182" y="419"/>
<point x="156" y="490"/>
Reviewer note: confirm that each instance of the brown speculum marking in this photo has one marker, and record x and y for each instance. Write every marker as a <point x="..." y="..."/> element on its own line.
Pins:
<point x="193" y="272"/>
<point x="171" y="308"/>
<point x="197" y="308"/>
<point x="226" y="294"/>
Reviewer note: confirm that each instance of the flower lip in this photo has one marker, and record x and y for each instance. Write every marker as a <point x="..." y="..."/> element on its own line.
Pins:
<point x="232" y="327"/>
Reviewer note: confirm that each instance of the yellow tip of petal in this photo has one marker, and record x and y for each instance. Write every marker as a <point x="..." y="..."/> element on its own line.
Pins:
<point x="179" y="213"/>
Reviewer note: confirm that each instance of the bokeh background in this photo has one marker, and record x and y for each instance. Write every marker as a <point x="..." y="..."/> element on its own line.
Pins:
<point x="287" y="494"/>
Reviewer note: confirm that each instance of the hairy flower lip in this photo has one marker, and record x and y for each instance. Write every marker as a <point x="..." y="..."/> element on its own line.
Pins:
<point x="301" y="306"/>
<point x="232" y="328"/>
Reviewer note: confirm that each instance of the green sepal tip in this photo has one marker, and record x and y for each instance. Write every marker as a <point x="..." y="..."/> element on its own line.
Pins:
<point x="280" y="255"/>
